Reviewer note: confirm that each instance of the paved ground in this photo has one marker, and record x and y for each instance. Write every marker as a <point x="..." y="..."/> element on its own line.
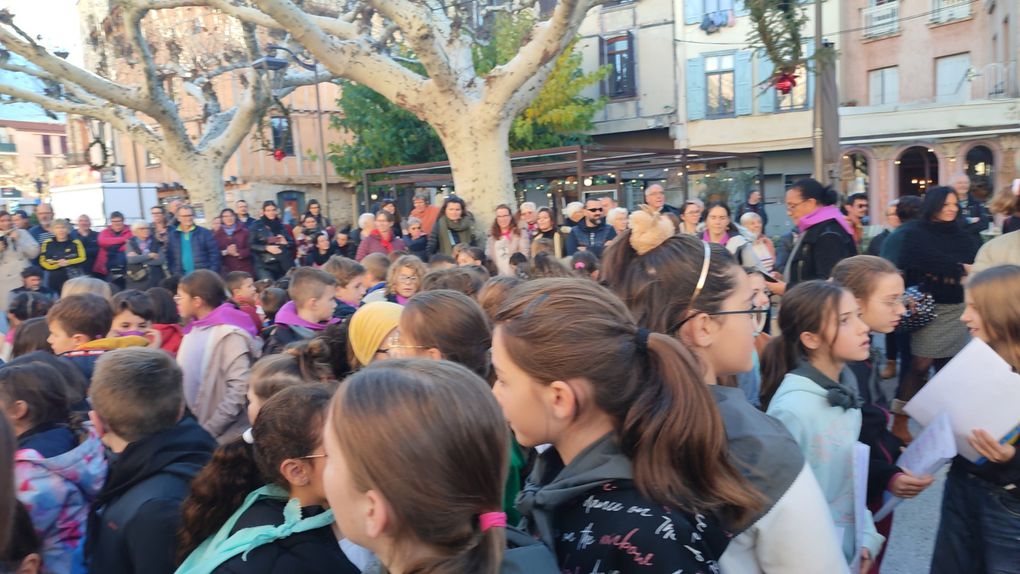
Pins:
<point x="914" y="524"/>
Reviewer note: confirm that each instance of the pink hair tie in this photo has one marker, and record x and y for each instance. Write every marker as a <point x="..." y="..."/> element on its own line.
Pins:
<point x="492" y="519"/>
<point x="579" y="265"/>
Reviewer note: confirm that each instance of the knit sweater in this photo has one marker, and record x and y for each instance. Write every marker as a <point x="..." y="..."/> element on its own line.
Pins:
<point x="933" y="255"/>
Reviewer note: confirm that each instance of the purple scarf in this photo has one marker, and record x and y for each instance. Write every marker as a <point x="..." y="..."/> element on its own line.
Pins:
<point x="287" y="315"/>
<point x="707" y="238"/>
<point x="824" y="214"/>
<point x="225" y="314"/>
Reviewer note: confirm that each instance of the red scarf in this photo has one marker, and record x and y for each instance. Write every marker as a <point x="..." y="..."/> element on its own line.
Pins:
<point x="386" y="243"/>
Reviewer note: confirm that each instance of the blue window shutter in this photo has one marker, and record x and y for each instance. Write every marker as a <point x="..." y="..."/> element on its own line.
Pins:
<point x="693" y="11"/>
<point x="766" y="98"/>
<point x="743" y="84"/>
<point x="695" y="81"/>
<point x="809" y="51"/>
<point x="740" y="8"/>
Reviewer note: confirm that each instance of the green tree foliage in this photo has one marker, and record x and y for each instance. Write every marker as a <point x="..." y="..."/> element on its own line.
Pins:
<point x="385" y="135"/>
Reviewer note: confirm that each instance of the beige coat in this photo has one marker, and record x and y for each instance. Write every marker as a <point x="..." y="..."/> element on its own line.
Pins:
<point x="226" y="361"/>
<point x="1003" y="250"/>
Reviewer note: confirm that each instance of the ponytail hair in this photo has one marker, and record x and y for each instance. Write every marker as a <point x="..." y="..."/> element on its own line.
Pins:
<point x="649" y="384"/>
<point x="441" y="421"/>
<point x="807" y="308"/>
<point x="289" y="425"/>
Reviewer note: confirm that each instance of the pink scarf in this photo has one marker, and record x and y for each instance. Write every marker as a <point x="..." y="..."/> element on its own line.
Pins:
<point x="707" y="238"/>
<point x="824" y="214"/>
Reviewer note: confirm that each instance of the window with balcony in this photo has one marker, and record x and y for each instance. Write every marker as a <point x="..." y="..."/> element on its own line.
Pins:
<point x="949" y="10"/>
<point x="151" y="160"/>
<point x="951" y="78"/>
<point x="884" y="86"/>
<point x="282" y="139"/>
<point x="881" y="18"/>
<point x="719" y="101"/>
<point x="618" y="52"/>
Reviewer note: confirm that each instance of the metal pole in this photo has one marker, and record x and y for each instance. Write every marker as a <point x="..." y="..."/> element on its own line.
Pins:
<point x="138" y="180"/>
<point x="816" y="140"/>
<point x="322" y="140"/>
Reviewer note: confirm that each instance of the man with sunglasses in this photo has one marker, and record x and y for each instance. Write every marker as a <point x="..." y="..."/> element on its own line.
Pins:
<point x="592" y="233"/>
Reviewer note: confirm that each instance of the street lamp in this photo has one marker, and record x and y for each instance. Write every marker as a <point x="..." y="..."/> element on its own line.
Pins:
<point x="271" y="63"/>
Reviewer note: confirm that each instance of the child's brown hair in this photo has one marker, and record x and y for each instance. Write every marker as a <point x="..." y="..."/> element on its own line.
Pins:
<point x="440" y="418"/>
<point x="342" y="269"/>
<point x="137" y="392"/>
<point x="309" y="283"/>
<point x="82" y="314"/>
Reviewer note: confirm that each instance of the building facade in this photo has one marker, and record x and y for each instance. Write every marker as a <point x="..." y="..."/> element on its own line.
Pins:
<point x="929" y="90"/>
<point x="29" y="152"/>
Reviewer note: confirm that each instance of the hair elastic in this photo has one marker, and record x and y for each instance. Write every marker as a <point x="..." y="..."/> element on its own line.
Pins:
<point x="248" y="436"/>
<point x="492" y="519"/>
<point x="641" y="339"/>
<point x="579" y="265"/>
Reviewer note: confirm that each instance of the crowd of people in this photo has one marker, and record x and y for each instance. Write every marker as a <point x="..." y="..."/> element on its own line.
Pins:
<point x="599" y="393"/>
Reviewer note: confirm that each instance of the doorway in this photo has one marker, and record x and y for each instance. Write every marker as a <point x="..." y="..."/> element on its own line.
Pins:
<point x="917" y="170"/>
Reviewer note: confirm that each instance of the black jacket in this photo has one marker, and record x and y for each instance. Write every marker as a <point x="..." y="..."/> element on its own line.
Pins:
<point x="885" y="447"/>
<point x="594" y="518"/>
<point x="819" y="249"/>
<point x="311" y="552"/>
<point x="91" y="243"/>
<point x="262" y="231"/>
<point x="133" y="523"/>
<point x="592" y="238"/>
<point x="278" y="336"/>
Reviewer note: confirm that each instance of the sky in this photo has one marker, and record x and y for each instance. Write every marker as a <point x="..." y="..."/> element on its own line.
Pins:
<point x="57" y="22"/>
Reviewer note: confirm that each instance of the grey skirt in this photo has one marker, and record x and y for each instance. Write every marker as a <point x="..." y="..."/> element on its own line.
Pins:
<point x="944" y="337"/>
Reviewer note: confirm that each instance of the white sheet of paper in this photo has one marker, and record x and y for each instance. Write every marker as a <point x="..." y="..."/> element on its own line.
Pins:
<point x="978" y="390"/>
<point x="930" y="451"/>
<point x="862" y="456"/>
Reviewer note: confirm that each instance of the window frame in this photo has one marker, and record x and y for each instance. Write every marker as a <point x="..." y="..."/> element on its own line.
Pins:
<point x="611" y="86"/>
<point x="884" y="92"/>
<point x="732" y="71"/>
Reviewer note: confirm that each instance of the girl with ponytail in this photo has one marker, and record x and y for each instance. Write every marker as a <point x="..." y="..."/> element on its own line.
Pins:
<point x="416" y="459"/>
<point x="809" y="388"/>
<point x="695" y="292"/>
<point x="258" y="505"/>
<point x="638" y="477"/>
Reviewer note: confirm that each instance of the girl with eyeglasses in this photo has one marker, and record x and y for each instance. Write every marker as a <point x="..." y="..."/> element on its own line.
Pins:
<point x="809" y="388"/>
<point x="878" y="287"/>
<point x="696" y="293"/>
<point x="404" y="279"/>
<point x="260" y="505"/>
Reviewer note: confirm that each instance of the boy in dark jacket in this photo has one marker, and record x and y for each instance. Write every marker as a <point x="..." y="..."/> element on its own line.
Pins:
<point x="309" y="310"/>
<point x="138" y="410"/>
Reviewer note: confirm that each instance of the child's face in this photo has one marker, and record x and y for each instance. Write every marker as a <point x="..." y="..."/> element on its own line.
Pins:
<point x="852" y="341"/>
<point x="59" y="340"/>
<point x="884" y="307"/>
<point x="246" y="291"/>
<point x="349" y="504"/>
<point x="322" y="306"/>
<point x="127" y="322"/>
<point x="972" y="319"/>
<point x="464" y="258"/>
<point x="353" y="292"/>
<point x="185" y="303"/>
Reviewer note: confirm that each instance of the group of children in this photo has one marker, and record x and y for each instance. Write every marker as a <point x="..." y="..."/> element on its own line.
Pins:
<point x="540" y="423"/>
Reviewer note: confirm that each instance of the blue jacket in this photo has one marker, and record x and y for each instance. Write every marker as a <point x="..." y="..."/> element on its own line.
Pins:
<point x="592" y="238"/>
<point x="204" y="250"/>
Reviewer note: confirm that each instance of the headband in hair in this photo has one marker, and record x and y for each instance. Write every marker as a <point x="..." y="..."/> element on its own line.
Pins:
<point x="649" y="229"/>
<point x="704" y="274"/>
